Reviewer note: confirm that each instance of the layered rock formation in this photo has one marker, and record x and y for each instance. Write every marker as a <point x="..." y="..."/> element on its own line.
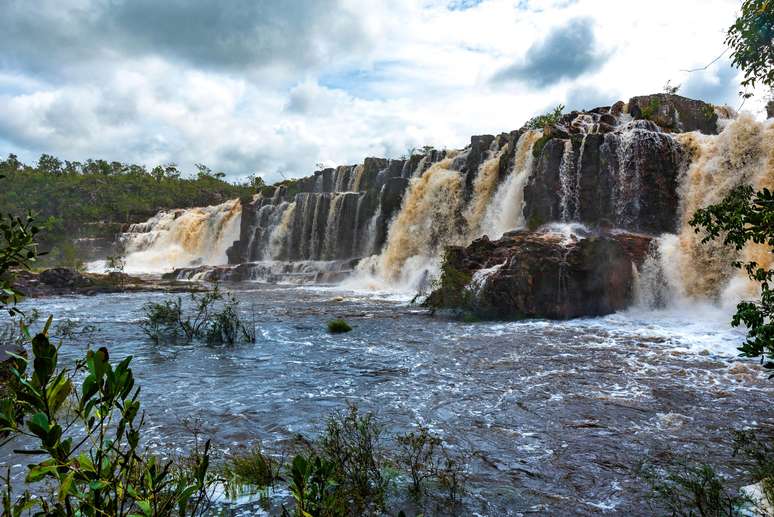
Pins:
<point x="556" y="272"/>
<point x="617" y="170"/>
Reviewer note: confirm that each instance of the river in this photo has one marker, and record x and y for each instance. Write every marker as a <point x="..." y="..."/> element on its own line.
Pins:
<point x="557" y="414"/>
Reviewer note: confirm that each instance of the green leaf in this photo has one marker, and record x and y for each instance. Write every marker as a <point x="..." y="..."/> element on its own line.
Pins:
<point x="39" y="425"/>
<point x="65" y="485"/>
<point x="145" y="506"/>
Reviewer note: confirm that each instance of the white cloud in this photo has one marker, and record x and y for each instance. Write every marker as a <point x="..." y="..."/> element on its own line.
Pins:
<point x="334" y="85"/>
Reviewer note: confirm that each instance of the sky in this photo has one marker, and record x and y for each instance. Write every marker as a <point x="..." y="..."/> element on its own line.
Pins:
<point x="277" y="87"/>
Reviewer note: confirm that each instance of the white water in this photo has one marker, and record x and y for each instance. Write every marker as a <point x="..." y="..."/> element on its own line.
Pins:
<point x="182" y="238"/>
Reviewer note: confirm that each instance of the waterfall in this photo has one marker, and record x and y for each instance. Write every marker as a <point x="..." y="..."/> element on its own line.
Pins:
<point x="484" y="187"/>
<point x="506" y="211"/>
<point x="392" y="219"/>
<point x="682" y="267"/>
<point x="278" y="239"/>
<point x="428" y="220"/>
<point x="568" y="180"/>
<point x="182" y="238"/>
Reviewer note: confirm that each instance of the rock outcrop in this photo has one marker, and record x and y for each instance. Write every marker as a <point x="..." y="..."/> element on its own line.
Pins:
<point x="554" y="272"/>
<point x="675" y="113"/>
<point x="624" y="177"/>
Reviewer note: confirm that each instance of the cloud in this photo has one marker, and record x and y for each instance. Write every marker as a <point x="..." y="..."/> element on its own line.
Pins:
<point x="236" y="36"/>
<point x="276" y="86"/>
<point x="718" y="84"/>
<point x="568" y="51"/>
<point x="587" y="96"/>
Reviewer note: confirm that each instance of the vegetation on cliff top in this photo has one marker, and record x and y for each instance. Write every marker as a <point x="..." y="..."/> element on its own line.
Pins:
<point x="95" y="198"/>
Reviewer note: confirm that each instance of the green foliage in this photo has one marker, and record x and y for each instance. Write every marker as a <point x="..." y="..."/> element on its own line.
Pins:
<point x="547" y="119"/>
<point x="650" y="111"/>
<point x="92" y="454"/>
<point x="450" y="289"/>
<point x="742" y="217"/>
<point x="540" y="143"/>
<point x="708" y="110"/>
<point x="417" y="454"/>
<point x="759" y="453"/>
<point x="338" y="326"/>
<point x="252" y="468"/>
<point x="314" y="488"/>
<point x="96" y="198"/>
<point x="693" y="491"/>
<point x="169" y="320"/>
<point x="18" y="250"/>
<point x="751" y="40"/>
<point x="352" y="443"/>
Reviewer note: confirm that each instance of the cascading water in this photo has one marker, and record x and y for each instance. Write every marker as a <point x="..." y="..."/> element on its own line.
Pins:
<point x="506" y="211"/>
<point x="182" y="238"/>
<point x="429" y="219"/>
<point x="392" y="219"/>
<point x="484" y="187"/>
<point x="681" y="267"/>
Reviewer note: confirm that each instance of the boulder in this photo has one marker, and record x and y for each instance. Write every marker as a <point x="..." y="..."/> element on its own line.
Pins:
<point x="63" y="278"/>
<point x="675" y="113"/>
<point x="556" y="272"/>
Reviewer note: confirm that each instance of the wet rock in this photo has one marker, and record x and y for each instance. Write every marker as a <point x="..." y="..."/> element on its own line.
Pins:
<point x="770" y="109"/>
<point x="624" y="177"/>
<point x="63" y="278"/>
<point x="547" y="273"/>
<point x="675" y="113"/>
<point x="617" y="108"/>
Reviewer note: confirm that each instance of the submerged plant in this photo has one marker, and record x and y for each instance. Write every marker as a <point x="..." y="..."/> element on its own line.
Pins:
<point x="338" y="326"/>
<point x="252" y="468"/>
<point x="352" y="442"/>
<point x="170" y="320"/>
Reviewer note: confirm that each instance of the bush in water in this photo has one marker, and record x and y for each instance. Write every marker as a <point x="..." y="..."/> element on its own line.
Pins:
<point x="92" y="453"/>
<point x="338" y="326"/>
<point x="353" y="443"/>
<point x="169" y="320"/>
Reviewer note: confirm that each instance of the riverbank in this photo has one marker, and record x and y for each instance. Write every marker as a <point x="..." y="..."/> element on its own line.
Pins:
<point x="65" y="281"/>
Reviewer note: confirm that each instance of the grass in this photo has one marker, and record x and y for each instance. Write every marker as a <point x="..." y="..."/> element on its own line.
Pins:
<point x="338" y="326"/>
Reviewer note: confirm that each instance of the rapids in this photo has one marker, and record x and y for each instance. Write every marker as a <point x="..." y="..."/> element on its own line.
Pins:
<point x="557" y="414"/>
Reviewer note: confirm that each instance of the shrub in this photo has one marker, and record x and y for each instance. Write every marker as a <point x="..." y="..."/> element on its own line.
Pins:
<point x="689" y="490"/>
<point x="540" y="143"/>
<point x="546" y="119"/>
<point x="352" y="443"/>
<point x="450" y="289"/>
<point x="253" y="468"/>
<point x="314" y="488"/>
<point x="649" y="111"/>
<point x="92" y="455"/>
<point x="338" y="326"/>
<point x="168" y="320"/>
<point x="417" y="454"/>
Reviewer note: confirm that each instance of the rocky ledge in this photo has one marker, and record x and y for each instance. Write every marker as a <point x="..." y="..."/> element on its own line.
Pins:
<point x="64" y="281"/>
<point x="557" y="272"/>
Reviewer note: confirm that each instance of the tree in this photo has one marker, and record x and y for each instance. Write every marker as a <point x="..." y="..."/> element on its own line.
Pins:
<point x="17" y="250"/>
<point x="50" y="164"/>
<point x="746" y="216"/>
<point x="751" y="40"/>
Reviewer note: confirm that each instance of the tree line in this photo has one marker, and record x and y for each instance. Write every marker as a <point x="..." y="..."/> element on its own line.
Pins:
<point x="95" y="198"/>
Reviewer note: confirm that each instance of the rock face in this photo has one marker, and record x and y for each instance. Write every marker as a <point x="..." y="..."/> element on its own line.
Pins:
<point x="547" y="273"/>
<point x="344" y="213"/>
<point x="675" y="113"/>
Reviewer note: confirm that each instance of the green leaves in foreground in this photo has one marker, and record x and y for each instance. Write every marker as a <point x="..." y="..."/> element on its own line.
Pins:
<point x="92" y="445"/>
<point x="743" y="217"/>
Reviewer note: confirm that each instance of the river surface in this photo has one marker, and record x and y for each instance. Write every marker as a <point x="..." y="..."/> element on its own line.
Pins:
<point x="557" y="414"/>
